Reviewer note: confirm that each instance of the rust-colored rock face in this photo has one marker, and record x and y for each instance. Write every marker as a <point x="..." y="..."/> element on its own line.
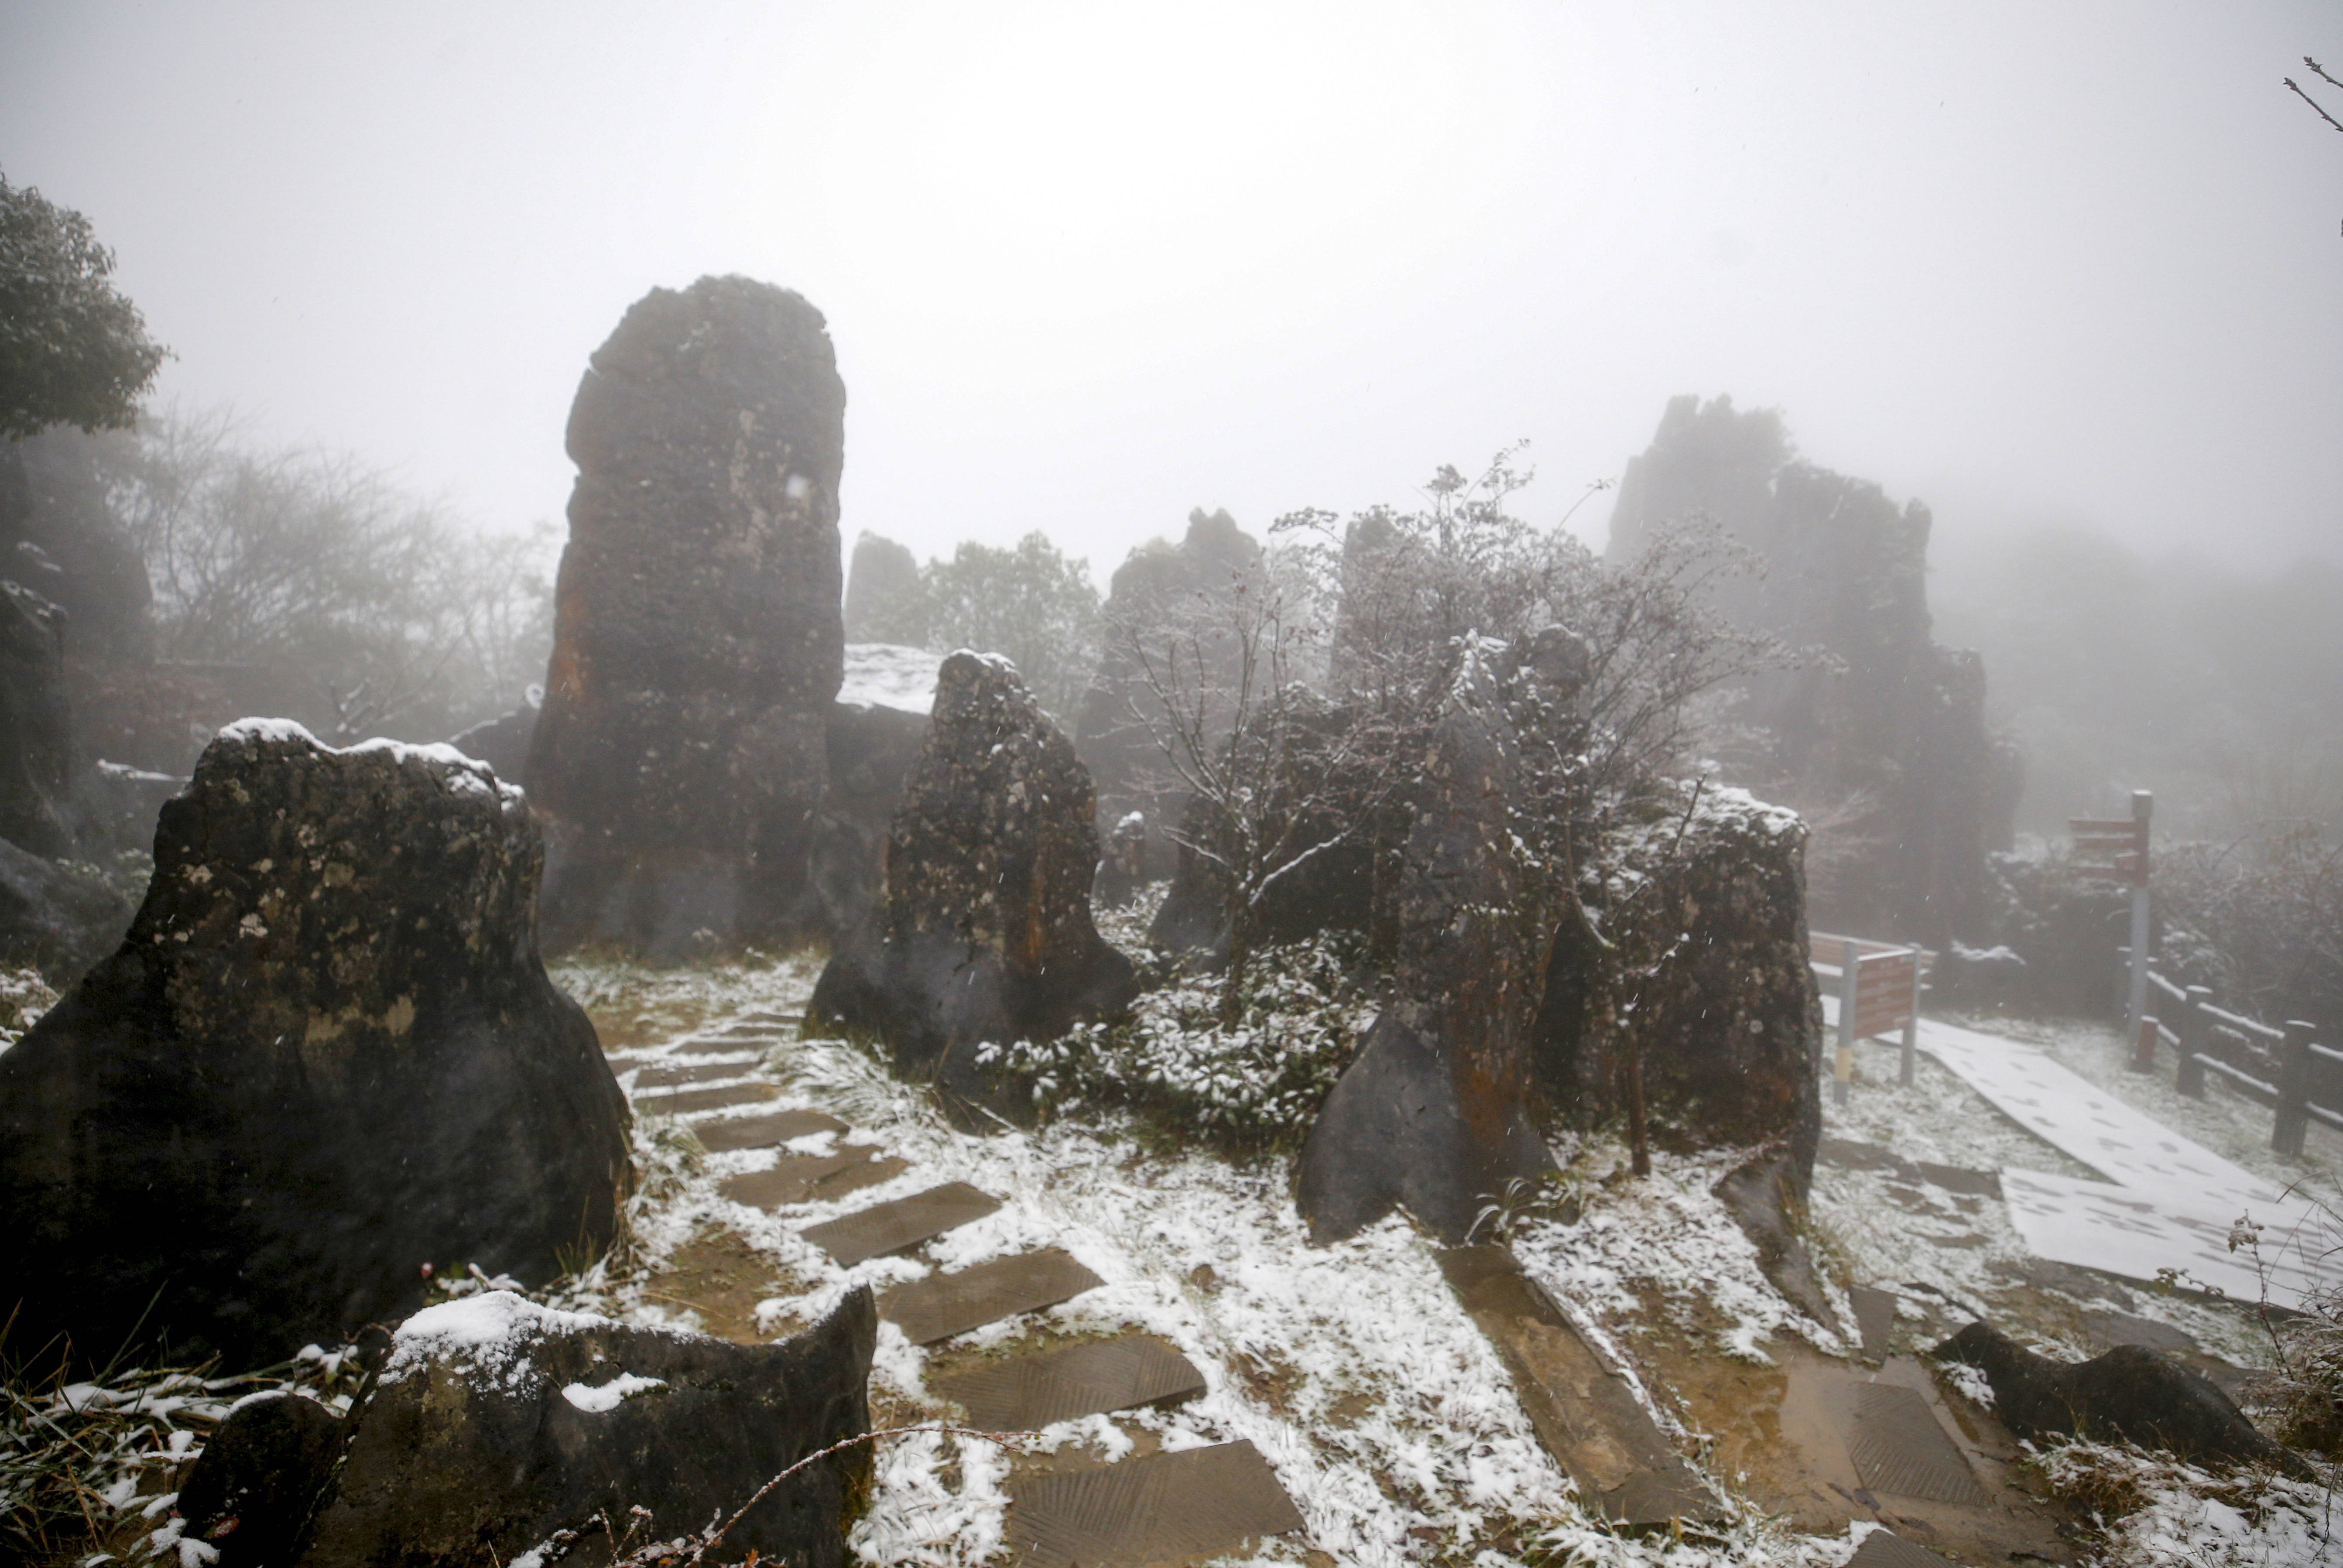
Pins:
<point x="326" y="1055"/>
<point x="984" y="932"/>
<point x="1433" y="1115"/>
<point x="698" y="645"/>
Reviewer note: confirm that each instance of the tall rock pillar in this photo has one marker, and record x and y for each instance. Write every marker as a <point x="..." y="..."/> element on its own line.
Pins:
<point x="698" y="645"/>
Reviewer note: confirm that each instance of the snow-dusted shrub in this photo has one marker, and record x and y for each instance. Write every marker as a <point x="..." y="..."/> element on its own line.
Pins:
<point x="1253" y="1085"/>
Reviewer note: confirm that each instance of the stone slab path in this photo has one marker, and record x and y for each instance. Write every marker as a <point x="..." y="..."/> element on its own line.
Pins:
<point x="689" y="1100"/>
<point x="1886" y="1549"/>
<point x="1162" y="1506"/>
<point x="1028" y="1393"/>
<point x="942" y="1305"/>
<point x="810" y="1178"/>
<point x="763" y="1131"/>
<point x="1580" y="1406"/>
<point x="1144" y="1510"/>
<point x="900" y="1225"/>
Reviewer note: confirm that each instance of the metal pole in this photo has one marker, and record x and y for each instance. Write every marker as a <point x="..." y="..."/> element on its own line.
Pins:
<point x="1850" y="964"/>
<point x="2142" y="803"/>
<point x="2293" y="1089"/>
<point x="1911" y="1026"/>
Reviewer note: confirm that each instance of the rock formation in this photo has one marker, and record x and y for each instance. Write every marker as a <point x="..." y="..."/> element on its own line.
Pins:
<point x="698" y="645"/>
<point x="880" y="582"/>
<point x="2131" y="1394"/>
<point x="324" y="1059"/>
<point x="1433" y="1114"/>
<point x="1700" y="897"/>
<point x="984" y="932"/>
<point x="1889" y="753"/>
<point x="1162" y="592"/>
<point x="37" y="766"/>
<point x="54" y="917"/>
<point x="503" y="1428"/>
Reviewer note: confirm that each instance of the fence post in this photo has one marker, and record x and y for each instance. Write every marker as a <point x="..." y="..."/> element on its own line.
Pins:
<point x="1911" y="1026"/>
<point x="1843" y="1070"/>
<point x="2293" y="1089"/>
<point x="2143" y="1050"/>
<point x="2135" y="991"/>
<point x="2195" y="1031"/>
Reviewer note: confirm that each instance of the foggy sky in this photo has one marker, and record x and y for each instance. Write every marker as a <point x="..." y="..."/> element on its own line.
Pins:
<point x="1087" y="266"/>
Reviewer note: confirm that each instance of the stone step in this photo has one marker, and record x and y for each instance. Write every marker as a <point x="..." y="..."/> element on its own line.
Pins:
<point x="729" y="1044"/>
<point x="1886" y="1549"/>
<point x="685" y="1101"/>
<point x="942" y="1305"/>
<point x="1196" y="1501"/>
<point x="1897" y="1446"/>
<point x="809" y="1177"/>
<point x="904" y="1223"/>
<point x="1580" y="1409"/>
<point x="763" y="1131"/>
<point x="669" y="1077"/>
<point x="1875" y="1319"/>
<point x="1027" y="1393"/>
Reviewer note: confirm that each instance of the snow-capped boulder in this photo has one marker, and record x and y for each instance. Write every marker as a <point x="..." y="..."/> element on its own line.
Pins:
<point x="984" y="931"/>
<point x="503" y="1427"/>
<point x="1433" y="1115"/>
<point x="698" y="646"/>
<point x="325" y="1062"/>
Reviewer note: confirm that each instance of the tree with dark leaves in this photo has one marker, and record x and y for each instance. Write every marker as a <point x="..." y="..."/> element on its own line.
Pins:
<point x="73" y="351"/>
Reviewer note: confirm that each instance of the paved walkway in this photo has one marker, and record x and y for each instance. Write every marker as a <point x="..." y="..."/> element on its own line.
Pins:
<point x="2172" y="1201"/>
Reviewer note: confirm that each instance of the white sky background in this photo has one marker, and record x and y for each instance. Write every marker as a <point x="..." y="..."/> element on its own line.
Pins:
<point x="1089" y="265"/>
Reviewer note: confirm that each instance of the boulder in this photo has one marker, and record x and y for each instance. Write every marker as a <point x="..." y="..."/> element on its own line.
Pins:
<point x="501" y="1427"/>
<point x="1700" y="895"/>
<point x="253" y="1495"/>
<point x="872" y="750"/>
<point x="503" y="742"/>
<point x="54" y="919"/>
<point x="697" y="647"/>
<point x="984" y="931"/>
<point x="37" y="767"/>
<point x="1432" y="1113"/>
<point x="883" y="587"/>
<point x="2131" y="1394"/>
<point x="325" y="1060"/>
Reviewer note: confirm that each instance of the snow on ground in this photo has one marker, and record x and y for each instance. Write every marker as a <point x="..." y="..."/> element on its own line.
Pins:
<point x="1383" y="1410"/>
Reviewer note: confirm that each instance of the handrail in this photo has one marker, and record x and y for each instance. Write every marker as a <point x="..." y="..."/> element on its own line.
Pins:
<point x="2240" y="1073"/>
<point x="2166" y="987"/>
<point x="2239" y="1021"/>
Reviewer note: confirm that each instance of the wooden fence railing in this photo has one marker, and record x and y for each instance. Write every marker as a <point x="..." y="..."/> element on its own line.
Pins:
<point x="1878" y="989"/>
<point x="2299" y="1079"/>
